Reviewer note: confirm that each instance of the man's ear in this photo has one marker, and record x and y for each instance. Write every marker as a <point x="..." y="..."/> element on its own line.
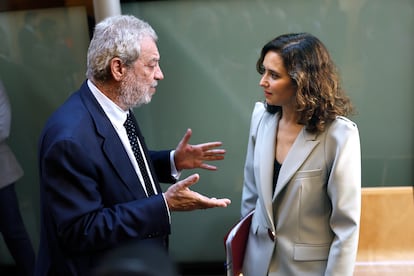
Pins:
<point x="118" y="70"/>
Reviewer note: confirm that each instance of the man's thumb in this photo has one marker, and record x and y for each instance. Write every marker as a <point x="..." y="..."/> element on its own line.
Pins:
<point x="191" y="180"/>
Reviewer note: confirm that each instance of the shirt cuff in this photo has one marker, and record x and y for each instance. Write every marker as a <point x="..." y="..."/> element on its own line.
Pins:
<point x="174" y="173"/>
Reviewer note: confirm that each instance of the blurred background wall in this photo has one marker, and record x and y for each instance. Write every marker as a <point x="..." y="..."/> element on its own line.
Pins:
<point x="208" y="53"/>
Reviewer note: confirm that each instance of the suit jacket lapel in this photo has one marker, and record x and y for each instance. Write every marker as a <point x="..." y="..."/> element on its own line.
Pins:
<point x="112" y="145"/>
<point x="301" y="148"/>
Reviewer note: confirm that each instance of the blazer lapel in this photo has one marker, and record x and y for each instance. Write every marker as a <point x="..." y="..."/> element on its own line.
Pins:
<point x="265" y="145"/>
<point x="265" y="142"/>
<point x="112" y="145"/>
<point x="301" y="148"/>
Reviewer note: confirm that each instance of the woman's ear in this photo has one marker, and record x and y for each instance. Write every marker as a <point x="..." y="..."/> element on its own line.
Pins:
<point x="117" y="69"/>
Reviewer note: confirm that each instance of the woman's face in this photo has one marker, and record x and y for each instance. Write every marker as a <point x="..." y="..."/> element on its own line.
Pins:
<point x="278" y="86"/>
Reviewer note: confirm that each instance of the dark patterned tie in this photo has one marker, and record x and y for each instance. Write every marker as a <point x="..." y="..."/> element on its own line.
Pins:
<point x="133" y="140"/>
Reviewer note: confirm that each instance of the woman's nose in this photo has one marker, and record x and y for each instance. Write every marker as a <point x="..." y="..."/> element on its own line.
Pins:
<point x="263" y="82"/>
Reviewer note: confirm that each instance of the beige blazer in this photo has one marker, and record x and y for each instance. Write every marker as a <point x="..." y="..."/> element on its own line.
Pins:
<point x="10" y="170"/>
<point x="315" y="210"/>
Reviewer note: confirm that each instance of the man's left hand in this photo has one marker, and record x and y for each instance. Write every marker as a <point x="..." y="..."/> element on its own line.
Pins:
<point x="188" y="156"/>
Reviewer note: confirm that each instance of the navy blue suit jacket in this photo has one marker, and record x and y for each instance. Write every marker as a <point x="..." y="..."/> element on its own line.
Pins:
<point x="91" y="198"/>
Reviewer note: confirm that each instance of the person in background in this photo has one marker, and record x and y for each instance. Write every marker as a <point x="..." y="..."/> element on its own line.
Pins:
<point x="11" y="222"/>
<point x="94" y="194"/>
<point x="302" y="173"/>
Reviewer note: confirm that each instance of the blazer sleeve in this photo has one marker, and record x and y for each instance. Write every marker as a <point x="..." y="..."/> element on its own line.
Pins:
<point x="162" y="165"/>
<point x="87" y="206"/>
<point x="5" y="114"/>
<point x="344" y="189"/>
<point x="10" y="169"/>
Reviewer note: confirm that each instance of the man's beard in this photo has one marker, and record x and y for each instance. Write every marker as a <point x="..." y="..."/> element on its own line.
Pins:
<point x="133" y="93"/>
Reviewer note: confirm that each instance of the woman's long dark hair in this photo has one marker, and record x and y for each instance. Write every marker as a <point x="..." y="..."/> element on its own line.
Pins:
<point x="320" y="97"/>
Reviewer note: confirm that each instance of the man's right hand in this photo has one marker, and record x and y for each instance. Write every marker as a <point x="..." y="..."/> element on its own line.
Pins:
<point x="179" y="197"/>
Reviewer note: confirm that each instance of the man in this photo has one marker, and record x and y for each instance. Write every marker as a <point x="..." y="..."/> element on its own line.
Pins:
<point x="94" y="195"/>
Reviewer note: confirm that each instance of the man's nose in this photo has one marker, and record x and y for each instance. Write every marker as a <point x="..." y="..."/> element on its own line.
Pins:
<point x="158" y="73"/>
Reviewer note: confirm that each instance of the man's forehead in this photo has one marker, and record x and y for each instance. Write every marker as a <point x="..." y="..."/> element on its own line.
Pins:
<point x="149" y="49"/>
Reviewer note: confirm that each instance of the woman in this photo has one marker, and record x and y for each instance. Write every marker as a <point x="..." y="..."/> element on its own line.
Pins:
<point x="302" y="173"/>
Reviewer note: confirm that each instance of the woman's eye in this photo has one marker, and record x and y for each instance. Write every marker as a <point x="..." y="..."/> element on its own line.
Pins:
<point x="274" y="75"/>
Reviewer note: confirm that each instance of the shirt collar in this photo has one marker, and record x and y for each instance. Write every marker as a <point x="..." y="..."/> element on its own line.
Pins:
<point x="116" y="115"/>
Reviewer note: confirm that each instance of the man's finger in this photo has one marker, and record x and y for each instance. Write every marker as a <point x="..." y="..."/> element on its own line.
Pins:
<point x="216" y="152"/>
<point x="210" y="145"/>
<point x="208" y="167"/>
<point x="214" y="202"/>
<point x="191" y="180"/>
<point x="186" y="136"/>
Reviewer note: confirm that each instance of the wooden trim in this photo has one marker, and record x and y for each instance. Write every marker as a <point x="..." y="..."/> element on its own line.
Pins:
<point x="387" y="224"/>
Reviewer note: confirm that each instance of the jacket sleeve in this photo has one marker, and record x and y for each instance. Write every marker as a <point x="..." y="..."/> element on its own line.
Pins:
<point x="86" y="205"/>
<point x="344" y="190"/>
<point x="162" y="165"/>
<point x="5" y="114"/>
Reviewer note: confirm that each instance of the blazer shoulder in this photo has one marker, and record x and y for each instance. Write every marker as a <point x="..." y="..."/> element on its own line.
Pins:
<point x="72" y="119"/>
<point x="346" y="121"/>
<point x="343" y="124"/>
<point x="341" y="130"/>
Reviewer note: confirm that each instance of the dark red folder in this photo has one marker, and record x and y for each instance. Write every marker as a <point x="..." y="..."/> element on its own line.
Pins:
<point x="235" y="245"/>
